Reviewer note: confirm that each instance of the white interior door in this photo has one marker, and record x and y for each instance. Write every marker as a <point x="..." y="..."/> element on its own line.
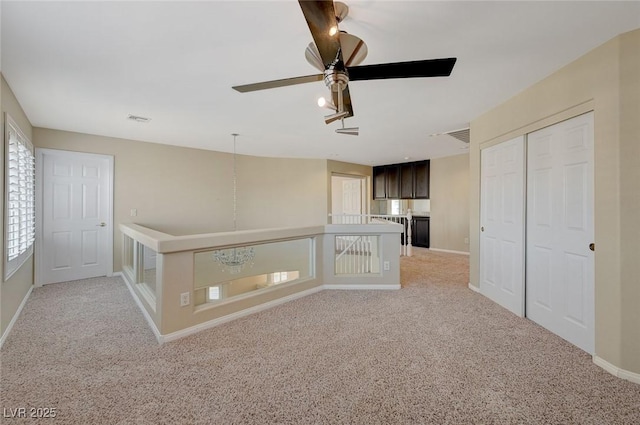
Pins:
<point x="351" y="196"/>
<point x="560" y="264"/>
<point x="75" y="215"/>
<point x="502" y="224"/>
<point x="348" y="198"/>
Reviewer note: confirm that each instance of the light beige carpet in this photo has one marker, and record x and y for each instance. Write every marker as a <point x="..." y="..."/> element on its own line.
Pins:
<point x="432" y="352"/>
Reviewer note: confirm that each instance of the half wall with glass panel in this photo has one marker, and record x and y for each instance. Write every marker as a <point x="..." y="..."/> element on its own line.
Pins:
<point x="139" y="264"/>
<point x="233" y="273"/>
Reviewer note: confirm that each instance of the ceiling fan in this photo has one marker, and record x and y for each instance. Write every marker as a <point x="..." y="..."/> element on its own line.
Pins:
<point x="338" y="54"/>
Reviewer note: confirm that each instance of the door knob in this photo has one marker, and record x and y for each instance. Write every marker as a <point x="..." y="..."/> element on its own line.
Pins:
<point x="592" y="246"/>
<point x="101" y="224"/>
<point x="482" y="229"/>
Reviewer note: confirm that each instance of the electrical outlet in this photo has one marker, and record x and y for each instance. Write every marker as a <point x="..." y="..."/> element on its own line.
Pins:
<point x="386" y="265"/>
<point x="134" y="212"/>
<point x="466" y="241"/>
<point x="184" y="299"/>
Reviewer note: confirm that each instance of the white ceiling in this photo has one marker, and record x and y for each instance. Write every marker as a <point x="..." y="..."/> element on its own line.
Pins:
<point x="85" y="66"/>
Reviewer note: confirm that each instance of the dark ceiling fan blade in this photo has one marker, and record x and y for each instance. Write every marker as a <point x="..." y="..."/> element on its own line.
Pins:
<point x="321" y="18"/>
<point x="278" y="83"/>
<point x="346" y="99"/>
<point x="412" y="69"/>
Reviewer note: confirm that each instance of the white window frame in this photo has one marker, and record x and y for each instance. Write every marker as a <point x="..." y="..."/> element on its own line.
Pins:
<point x="395" y="207"/>
<point x="214" y="293"/>
<point x="19" y="182"/>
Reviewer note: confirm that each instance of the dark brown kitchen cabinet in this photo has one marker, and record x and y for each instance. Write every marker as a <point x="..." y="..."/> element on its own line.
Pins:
<point x="379" y="183"/>
<point x="420" y="232"/>
<point x="409" y="180"/>
<point x="421" y="180"/>
<point x="406" y="181"/>
<point x="392" y="174"/>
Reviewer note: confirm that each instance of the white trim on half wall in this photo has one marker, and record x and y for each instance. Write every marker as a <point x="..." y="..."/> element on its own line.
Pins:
<point x="233" y="316"/>
<point x="138" y="302"/>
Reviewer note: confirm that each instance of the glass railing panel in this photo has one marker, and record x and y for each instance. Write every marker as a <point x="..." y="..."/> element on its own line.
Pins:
<point x="127" y="252"/>
<point x="229" y="273"/>
<point x="148" y="267"/>
<point x="128" y="258"/>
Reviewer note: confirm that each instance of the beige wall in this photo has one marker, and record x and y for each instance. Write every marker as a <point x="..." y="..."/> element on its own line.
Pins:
<point x="630" y="197"/>
<point x="277" y="192"/>
<point x="449" y="194"/>
<point x="186" y="191"/>
<point x="13" y="291"/>
<point x="603" y="80"/>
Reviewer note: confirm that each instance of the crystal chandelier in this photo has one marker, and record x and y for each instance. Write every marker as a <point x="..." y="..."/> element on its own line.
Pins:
<point x="234" y="259"/>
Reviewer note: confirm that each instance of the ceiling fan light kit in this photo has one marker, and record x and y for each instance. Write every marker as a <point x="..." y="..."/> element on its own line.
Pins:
<point x="334" y="117"/>
<point x="338" y="55"/>
<point x="324" y="103"/>
<point x="353" y="131"/>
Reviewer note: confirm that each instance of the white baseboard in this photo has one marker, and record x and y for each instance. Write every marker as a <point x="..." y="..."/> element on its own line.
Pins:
<point x="144" y="311"/>
<point x="449" y="251"/>
<point x="616" y="371"/>
<point x="474" y="288"/>
<point x="15" y="317"/>
<point x="233" y="316"/>
<point x="365" y="287"/>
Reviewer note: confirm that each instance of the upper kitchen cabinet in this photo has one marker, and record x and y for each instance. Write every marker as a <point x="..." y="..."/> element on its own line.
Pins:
<point x="392" y="174"/>
<point x="407" y="177"/>
<point x="421" y="180"/>
<point x="409" y="180"/>
<point x="379" y="183"/>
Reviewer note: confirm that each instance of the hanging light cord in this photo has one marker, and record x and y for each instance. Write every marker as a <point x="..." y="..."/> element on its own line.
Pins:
<point x="235" y="184"/>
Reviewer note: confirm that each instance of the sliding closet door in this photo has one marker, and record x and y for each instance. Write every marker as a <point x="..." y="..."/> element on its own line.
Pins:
<point x="560" y="263"/>
<point x="502" y="224"/>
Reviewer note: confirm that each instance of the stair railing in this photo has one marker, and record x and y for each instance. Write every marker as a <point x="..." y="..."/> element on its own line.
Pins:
<point x="404" y="219"/>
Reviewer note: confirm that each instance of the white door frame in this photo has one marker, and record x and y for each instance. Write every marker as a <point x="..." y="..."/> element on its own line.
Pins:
<point x="40" y="152"/>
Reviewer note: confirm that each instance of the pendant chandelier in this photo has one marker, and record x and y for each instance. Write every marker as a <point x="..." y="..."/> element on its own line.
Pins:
<point x="235" y="259"/>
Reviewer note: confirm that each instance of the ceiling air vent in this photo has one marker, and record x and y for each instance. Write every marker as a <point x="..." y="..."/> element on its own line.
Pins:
<point x="138" y="119"/>
<point x="462" y="134"/>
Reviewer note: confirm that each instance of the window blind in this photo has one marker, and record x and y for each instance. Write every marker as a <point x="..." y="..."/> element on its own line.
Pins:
<point x="20" y="198"/>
